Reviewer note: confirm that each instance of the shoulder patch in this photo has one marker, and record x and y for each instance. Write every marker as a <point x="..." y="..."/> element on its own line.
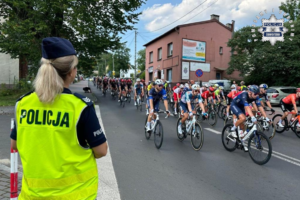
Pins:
<point x="24" y="95"/>
<point x="85" y="99"/>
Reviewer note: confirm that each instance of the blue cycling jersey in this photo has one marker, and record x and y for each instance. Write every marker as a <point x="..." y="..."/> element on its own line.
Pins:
<point x="243" y="99"/>
<point x="156" y="96"/>
<point x="138" y="86"/>
<point x="264" y="95"/>
<point x="188" y="97"/>
<point x="185" y="89"/>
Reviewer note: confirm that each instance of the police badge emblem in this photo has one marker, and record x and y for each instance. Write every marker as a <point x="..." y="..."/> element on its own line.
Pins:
<point x="272" y="30"/>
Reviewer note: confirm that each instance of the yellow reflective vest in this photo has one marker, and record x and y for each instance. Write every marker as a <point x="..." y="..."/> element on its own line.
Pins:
<point x="55" y="166"/>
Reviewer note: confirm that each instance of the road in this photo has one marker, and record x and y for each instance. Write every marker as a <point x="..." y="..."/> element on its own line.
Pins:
<point x="176" y="171"/>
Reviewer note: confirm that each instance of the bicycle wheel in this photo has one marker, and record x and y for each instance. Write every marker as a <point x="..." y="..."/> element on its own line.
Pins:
<point x="147" y="134"/>
<point x="212" y="118"/>
<point x="268" y="129"/>
<point x="128" y="98"/>
<point x="296" y="129"/>
<point x="228" y="142"/>
<point x="158" y="134"/>
<point x="197" y="137"/>
<point x="180" y="136"/>
<point x="276" y="119"/>
<point x="219" y="111"/>
<point x="260" y="148"/>
<point x="223" y="112"/>
<point x="228" y="120"/>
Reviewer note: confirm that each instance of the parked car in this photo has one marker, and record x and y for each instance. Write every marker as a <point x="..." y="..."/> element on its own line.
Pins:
<point x="276" y="93"/>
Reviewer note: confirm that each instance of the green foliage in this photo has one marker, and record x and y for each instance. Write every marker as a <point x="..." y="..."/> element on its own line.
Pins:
<point x="260" y="62"/>
<point x="91" y="25"/>
<point x="289" y="8"/>
<point x="141" y="59"/>
<point x="142" y="76"/>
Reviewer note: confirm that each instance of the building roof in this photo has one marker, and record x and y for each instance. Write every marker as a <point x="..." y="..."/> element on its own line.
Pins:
<point x="190" y="24"/>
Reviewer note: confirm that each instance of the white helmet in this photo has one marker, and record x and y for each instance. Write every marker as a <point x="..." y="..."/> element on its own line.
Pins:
<point x="158" y="82"/>
<point x="186" y="85"/>
<point x="233" y="86"/>
<point x="181" y="86"/>
<point x="196" y="87"/>
<point x="216" y="85"/>
<point x="138" y="79"/>
<point x="206" y="85"/>
<point x="221" y="88"/>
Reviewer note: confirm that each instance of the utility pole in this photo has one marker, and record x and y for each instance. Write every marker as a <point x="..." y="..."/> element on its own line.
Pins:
<point x="135" y="57"/>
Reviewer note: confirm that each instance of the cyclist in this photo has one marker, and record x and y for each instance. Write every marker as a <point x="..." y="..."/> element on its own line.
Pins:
<point x="155" y="94"/>
<point x="288" y="103"/>
<point x="240" y="105"/>
<point x="218" y="93"/>
<point x="229" y="98"/>
<point x="166" y="85"/>
<point x="113" y="86"/>
<point x="122" y="87"/>
<point x="263" y="94"/>
<point x="207" y="95"/>
<point x="187" y="107"/>
<point x="243" y="86"/>
<point x="177" y="95"/>
<point x="204" y="88"/>
<point x="99" y="82"/>
<point x="105" y="83"/>
<point x="138" y="89"/>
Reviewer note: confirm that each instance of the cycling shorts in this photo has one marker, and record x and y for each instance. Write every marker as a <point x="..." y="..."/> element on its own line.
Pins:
<point x="184" y="107"/>
<point x="237" y="110"/>
<point x="155" y="105"/>
<point x="138" y="91"/>
<point x="286" y="107"/>
<point x="228" y="101"/>
<point x="175" y="96"/>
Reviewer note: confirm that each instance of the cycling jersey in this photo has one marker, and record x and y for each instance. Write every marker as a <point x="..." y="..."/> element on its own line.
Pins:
<point x="105" y="82"/>
<point x="138" y="88"/>
<point x="206" y="94"/>
<point x="188" y="97"/>
<point x="149" y="87"/>
<point x="290" y="99"/>
<point x="240" y="100"/>
<point x="244" y="87"/>
<point x="177" y="92"/>
<point x="231" y="94"/>
<point x="263" y="95"/>
<point x="156" y="96"/>
<point x="122" y="85"/>
<point x="174" y="88"/>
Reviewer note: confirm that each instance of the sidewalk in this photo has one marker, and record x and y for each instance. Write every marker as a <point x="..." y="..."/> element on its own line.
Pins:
<point x="78" y="88"/>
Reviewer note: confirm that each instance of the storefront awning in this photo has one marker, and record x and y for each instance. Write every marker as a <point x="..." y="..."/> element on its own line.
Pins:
<point x="220" y="69"/>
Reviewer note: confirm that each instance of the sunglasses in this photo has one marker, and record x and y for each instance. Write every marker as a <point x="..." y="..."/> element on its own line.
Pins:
<point x="160" y="85"/>
<point x="197" y="91"/>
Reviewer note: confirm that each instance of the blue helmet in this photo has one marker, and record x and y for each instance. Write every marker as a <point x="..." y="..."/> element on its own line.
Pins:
<point x="265" y="86"/>
<point x="254" y="89"/>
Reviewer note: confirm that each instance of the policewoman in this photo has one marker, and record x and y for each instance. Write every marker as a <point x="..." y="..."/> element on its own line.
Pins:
<point x="57" y="133"/>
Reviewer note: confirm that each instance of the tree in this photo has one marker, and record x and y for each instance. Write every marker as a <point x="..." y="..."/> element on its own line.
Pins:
<point x="141" y="59"/>
<point x="91" y="25"/>
<point x="261" y="62"/>
<point x="291" y="7"/>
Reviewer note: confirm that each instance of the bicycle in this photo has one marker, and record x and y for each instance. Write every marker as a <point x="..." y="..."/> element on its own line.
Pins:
<point x="211" y="118"/>
<point x="194" y="129"/>
<point x="104" y="91"/>
<point x="138" y="102"/>
<point x="288" y="124"/>
<point x="128" y="95"/>
<point x="254" y="139"/>
<point x="114" y="94"/>
<point x="123" y="98"/>
<point x="156" y="129"/>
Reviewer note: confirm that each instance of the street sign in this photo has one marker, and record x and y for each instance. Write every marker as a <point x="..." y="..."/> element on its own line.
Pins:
<point x="114" y="73"/>
<point x="139" y="71"/>
<point x="199" y="73"/>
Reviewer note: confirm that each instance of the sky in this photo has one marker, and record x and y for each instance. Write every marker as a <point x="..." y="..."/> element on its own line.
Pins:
<point x="159" y="16"/>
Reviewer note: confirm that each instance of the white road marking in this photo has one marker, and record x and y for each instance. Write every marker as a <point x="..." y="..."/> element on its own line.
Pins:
<point x="276" y="154"/>
<point x="108" y="185"/>
<point x="214" y="131"/>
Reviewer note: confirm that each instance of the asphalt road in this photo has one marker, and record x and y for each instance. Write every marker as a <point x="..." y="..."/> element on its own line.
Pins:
<point x="176" y="171"/>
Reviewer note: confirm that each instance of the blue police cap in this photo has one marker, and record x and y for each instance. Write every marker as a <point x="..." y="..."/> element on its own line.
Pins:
<point x="55" y="47"/>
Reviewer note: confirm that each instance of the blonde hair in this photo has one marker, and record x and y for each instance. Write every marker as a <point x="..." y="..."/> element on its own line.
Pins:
<point x="49" y="81"/>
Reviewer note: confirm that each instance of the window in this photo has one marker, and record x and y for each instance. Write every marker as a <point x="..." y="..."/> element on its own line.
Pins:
<point x="151" y="57"/>
<point x="170" y="49"/>
<point x="159" y="56"/>
<point x="272" y="90"/>
<point x="289" y="90"/>
<point x="218" y="76"/>
<point x="151" y="76"/>
<point x="169" y="74"/>
<point x="221" y="50"/>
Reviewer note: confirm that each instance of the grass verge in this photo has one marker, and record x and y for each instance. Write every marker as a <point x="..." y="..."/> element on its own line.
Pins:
<point x="10" y="100"/>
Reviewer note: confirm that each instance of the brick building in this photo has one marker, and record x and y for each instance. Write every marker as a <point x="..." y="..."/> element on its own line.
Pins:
<point x="178" y="53"/>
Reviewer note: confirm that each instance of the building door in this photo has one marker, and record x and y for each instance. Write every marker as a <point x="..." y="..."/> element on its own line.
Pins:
<point x="151" y="76"/>
<point x="159" y="74"/>
<point x="169" y="75"/>
<point x="218" y="75"/>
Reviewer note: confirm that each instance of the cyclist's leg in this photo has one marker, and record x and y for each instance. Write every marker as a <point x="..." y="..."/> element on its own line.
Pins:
<point x="284" y="109"/>
<point x="240" y="112"/>
<point x="185" y="111"/>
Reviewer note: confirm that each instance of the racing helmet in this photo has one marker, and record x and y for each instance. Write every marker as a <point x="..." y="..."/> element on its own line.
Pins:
<point x="254" y="89"/>
<point x="158" y="82"/>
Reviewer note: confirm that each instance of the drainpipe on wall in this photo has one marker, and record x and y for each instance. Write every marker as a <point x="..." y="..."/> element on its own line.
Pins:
<point x="232" y="34"/>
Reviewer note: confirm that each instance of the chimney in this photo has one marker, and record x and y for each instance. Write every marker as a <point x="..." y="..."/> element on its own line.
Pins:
<point x="229" y="25"/>
<point x="213" y="16"/>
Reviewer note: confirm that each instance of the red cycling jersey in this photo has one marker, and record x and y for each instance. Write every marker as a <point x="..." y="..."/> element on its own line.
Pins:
<point x="231" y="94"/>
<point x="206" y="94"/>
<point x="290" y="99"/>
